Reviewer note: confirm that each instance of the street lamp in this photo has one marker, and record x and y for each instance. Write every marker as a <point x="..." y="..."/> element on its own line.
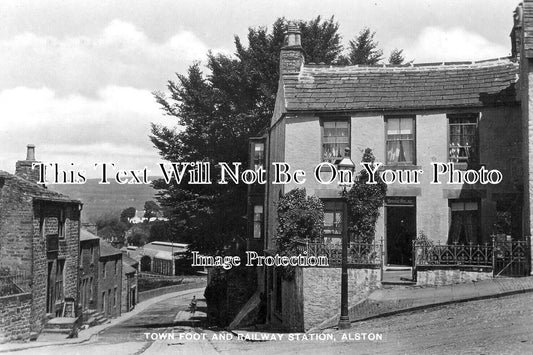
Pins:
<point x="346" y="164"/>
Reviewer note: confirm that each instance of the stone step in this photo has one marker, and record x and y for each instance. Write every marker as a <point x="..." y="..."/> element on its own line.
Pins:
<point x="56" y="331"/>
<point x="60" y="323"/>
<point x="99" y="318"/>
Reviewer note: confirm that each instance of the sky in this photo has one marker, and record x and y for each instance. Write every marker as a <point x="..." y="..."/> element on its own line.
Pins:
<point x="76" y="77"/>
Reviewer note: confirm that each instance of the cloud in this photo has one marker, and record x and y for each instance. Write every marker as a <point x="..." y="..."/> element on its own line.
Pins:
<point x="120" y="54"/>
<point x="435" y="44"/>
<point x="111" y="126"/>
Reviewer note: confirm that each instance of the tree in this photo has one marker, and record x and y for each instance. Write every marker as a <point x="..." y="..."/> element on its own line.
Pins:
<point x="151" y="209"/>
<point x="111" y="228"/>
<point x="364" y="49"/>
<point x="300" y="218"/>
<point x="364" y="201"/>
<point x="127" y="214"/>
<point x="137" y="239"/>
<point x="321" y="40"/>
<point x="396" y="57"/>
<point x="219" y="113"/>
<point x="160" y="231"/>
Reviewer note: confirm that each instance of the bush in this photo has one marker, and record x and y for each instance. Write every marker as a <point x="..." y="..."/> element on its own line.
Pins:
<point x="364" y="201"/>
<point x="300" y="218"/>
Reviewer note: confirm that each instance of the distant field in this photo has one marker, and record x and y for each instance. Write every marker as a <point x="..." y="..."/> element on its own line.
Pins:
<point x="106" y="199"/>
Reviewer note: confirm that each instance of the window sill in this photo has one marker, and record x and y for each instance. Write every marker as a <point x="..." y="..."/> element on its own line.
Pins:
<point x="466" y="166"/>
<point x="400" y="167"/>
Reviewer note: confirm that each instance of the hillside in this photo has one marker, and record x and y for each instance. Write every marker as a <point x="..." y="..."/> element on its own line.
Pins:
<point x="106" y="199"/>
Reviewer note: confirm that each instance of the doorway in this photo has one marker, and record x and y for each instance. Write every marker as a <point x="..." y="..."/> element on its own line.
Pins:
<point x="401" y="229"/>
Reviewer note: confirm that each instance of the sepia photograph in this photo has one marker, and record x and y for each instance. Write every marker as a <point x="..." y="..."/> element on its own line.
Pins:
<point x="266" y="177"/>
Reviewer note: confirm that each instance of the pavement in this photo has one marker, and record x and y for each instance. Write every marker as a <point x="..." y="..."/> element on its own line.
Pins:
<point x="388" y="301"/>
<point x="92" y="332"/>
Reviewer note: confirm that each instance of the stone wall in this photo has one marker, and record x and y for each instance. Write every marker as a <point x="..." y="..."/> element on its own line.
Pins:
<point x="440" y="277"/>
<point x="314" y="295"/>
<point x="110" y="285"/>
<point x="88" y="278"/>
<point x="292" y="304"/>
<point x="322" y="291"/>
<point x="16" y="229"/>
<point x="129" y="282"/>
<point x="24" y="223"/>
<point x="46" y="220"/>
<point x="15" y="317"/>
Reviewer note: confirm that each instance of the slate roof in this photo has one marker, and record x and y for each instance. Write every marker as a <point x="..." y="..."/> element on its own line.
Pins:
<point x="418" y="86"/>
<point x="177" y="247"/>
<point x="86" y="235"/>
<point x="35" y="190"/>
<point x="106" y="249"/>
<point x="127" y="269"/>
<point x="128" y="260"/>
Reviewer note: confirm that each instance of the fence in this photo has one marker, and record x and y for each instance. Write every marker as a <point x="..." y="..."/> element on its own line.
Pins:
<point x="359" y="254"/>
<point x="504" y="257"/>
<point x="455" y="254"/>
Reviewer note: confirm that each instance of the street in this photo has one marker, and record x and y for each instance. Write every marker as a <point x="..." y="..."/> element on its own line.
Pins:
<point x="494" y="326"/>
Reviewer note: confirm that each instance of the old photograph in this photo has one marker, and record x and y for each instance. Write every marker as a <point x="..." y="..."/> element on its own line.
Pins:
<point x="266" y="177"/>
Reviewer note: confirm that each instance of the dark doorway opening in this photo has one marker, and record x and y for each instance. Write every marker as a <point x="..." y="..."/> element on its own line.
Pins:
<point x="401" y="230"/>
<point x="146" y="263"/>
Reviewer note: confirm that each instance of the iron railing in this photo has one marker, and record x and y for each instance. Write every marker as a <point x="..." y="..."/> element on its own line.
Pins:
<point x="358" y="253"/>
<point x="455" y="254"/>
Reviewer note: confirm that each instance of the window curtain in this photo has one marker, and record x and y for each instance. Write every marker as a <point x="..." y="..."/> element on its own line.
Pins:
<point x="455" y="229"/>
<point x="400" y="151"/>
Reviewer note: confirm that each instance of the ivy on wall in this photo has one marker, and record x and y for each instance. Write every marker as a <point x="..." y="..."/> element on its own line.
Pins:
<point x="300" y="218"/>
<point x="364" y="201"/>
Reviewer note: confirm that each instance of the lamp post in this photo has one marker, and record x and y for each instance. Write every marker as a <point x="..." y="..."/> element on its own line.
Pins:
<point x="345" y="164"/>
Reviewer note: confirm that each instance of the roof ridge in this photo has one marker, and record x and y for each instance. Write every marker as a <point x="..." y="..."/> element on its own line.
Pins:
<point x="410" y="65"/>
<point x="41" y="187"/>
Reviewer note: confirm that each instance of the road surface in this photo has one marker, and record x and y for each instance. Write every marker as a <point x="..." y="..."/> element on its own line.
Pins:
<point x="494" y="326"/>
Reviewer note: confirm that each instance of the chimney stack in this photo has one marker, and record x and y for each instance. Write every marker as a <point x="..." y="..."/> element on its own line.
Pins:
<point x="292" y="54"/>
<point x="516" y="32"/>
<point x="24" y="168"/>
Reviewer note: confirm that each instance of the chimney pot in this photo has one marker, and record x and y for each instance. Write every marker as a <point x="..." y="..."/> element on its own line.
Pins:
<point x="292" y="54"/>
<point x="30" y="152"/>
<point x="293" y="36"/>
<point x="25" y="169"/>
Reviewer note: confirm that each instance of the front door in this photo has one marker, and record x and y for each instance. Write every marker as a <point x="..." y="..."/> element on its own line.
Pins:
<point x="401" y="229"/>
<point x="50" y="294"/>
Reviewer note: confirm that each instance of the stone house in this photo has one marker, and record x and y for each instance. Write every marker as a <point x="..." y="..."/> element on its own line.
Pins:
<point x="474" y="114"/>
<point x="130" y="273"/>
<point x="109" y="301"/>
<point x="88" y="279"/>
<point x="39" y="237"/>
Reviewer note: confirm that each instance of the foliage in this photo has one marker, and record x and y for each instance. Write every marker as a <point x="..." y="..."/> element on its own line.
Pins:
<point x="396" y="57"/>
<point x="138" y="234"/>
<point x="160" y="231"/>
<point x="127" y="214"/>
<point x="364" y="201"/>
<point x="363" y="49"/>
<point x="321" y="40"/>
<point x="137" y="239"/>
<point x="151" y="209"/>
<point x="219" y="113"/>
<point x="300" y="218"/>
<point x="423" y="240"/>
<point x="110" y="227"/>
